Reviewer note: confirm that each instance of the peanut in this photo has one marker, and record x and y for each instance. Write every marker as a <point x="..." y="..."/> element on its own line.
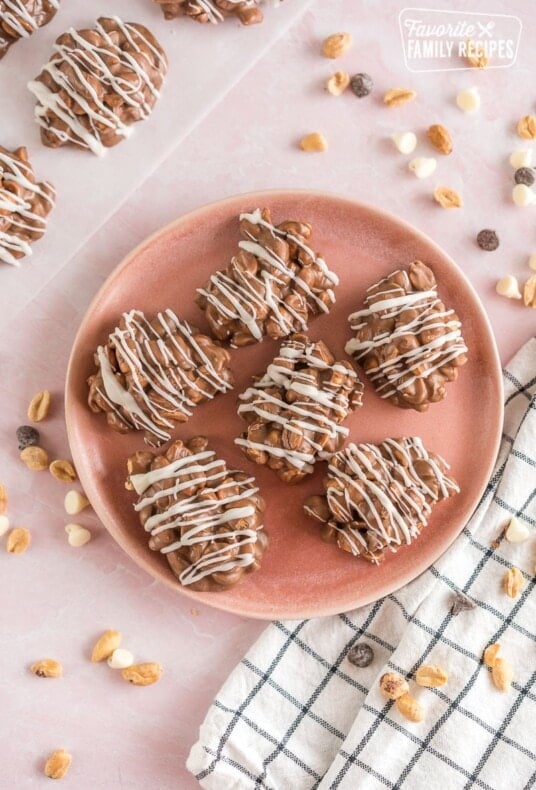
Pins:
<point x="336" y="45"/>
<point x="47" y="668"/>
<point x="39" y="406"/>
<point x="447" y="198"/>
<point x="526" y="128"/>
<point x="502" y="674"/>
<point x="105" y="646"/>
<point x="314" y="142"/>
<point x="440" y="138"/>
<point x="513" y="582"/>
<point x="58" y="764"/>
<point x="18" y="540"/>
<point x="3" y="499"/>
<point x="337" y="83"/>
<point x="393" y="685"/>
<point x="397" y="96"/>
<point x="490" y="654"/>
<point x="143" y="674"/>
<point x="63" y="471"/>
<point x="476" y="55"/>
<point x="35" y="458"/>
<point x="431" y="676"/>
<point x="410" y="708"/>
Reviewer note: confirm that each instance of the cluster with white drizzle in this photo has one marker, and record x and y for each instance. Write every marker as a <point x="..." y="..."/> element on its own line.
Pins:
<point x="380" y="496"/>
<point x="294" y="412"/>
<point x="153" y="373"/>
<point x="407" y="341"/>
<point x="271" y="286"/>
<point x="20" y="19"/>
<point x="213" y="11"/>
<point x="97" y="83"/>
<point x="24" y="206"/>
<point x="205" y="519"/>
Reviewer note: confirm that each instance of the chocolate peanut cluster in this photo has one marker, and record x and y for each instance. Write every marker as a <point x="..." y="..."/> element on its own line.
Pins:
<point x="406" y="340"/>
<point x="214" y="11"/>
<point x="24" y="205"/>
<point x="153" y="373"/>
<point x="271" y="287"/>
<point x="380" y="496"/>
<point x="206" y="519"/>
<point x="295" y="411"/>
<point x="98" y="82"/>
<point x="21" y="18"/>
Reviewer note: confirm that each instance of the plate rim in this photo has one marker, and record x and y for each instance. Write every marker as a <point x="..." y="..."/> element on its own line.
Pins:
<point x="211" y="599"/>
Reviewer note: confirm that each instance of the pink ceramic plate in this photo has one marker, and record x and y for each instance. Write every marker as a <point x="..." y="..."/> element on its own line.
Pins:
<point x="301" y="576"/>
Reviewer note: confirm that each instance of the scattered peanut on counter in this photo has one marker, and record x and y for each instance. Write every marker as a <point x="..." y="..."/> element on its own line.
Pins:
<point x="39" y="406"/>
<point x="336" y="45"/>
<point x="47" y="668"/>
<point x="58" y="764"/>
<point x="18" y="540"/>
<point x="105" y="645"/>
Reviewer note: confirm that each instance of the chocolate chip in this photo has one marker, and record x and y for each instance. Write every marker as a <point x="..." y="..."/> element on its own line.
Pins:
<point x="461" y="603"/>
<point x="487" y="240"/>
<point x="361" y="84"/>
<point x="524" y="175"/>
<point x="27" y="436"/>
<point x="361" y="655"/>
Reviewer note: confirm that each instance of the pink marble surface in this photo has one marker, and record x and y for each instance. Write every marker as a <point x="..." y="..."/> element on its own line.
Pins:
<point x="55" y="599"/>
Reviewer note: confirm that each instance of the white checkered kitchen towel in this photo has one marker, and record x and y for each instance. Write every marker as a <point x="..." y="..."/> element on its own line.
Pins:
<point x="296" y="714"/>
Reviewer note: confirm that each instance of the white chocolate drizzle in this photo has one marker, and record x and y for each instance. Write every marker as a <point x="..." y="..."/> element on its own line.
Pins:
<point x="304" y="417"/>
<point x="213" y="12"/>
<point x="386" y="486"/>
<point x="90" y="63"/>
<point x="135" y="346"/>
<point x="18" y="208"/>
<point x="198" y="519"/>
<point x="234" y="298"/>
<point x="402" y="370"/>
<point x="19" y="19"/>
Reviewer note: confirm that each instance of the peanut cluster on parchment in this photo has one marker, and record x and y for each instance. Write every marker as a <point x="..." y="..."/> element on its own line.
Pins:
<point x="379" y="497"/>
<point x="152" y="373"/>
<point x="21" y="18"/>
<point x="407" y="341"/>
<point x="214" y="11"/>
<point x="271" y="287"/>
<point x="206" y="519"/>
<point x="24" y="205"/>
<point x="295" y="411"/>
<point x="98" y="82"/>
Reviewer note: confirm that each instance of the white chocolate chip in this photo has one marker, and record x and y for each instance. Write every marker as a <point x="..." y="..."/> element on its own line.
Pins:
<point x="516" y="532"/>
<point x="4" y="525"/>
<point x="532" y="262"/>
<point x="423" y="166"/>
<point x="468" y="100"/>
<point x="405" y="142"/>
<point x="75" y="502"/>
<point x="120" y="659"/>
<point x="76" y="535"/>
<point x="521" y="158"/>
<point x="523" y="196"/>
<point x="508" y="286"/>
